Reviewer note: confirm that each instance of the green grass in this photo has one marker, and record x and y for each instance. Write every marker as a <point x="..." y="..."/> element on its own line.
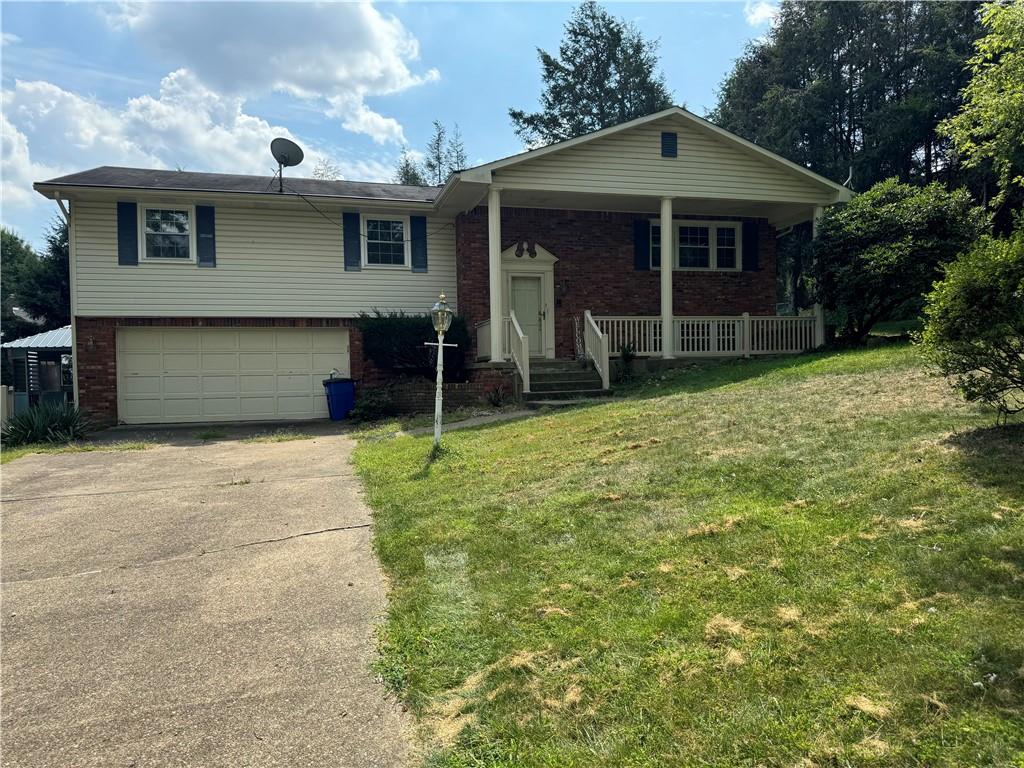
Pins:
<point x="10" y="454"/>
<point x="809" y="561"/>
<point x="278" y="436"/>
<point x="398" y="424"/>
<point x="211" y="434"/>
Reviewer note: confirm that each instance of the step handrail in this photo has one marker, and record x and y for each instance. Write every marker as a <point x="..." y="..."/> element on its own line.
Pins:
<point x="595" y="345"/>
<point x="520" y="349"/>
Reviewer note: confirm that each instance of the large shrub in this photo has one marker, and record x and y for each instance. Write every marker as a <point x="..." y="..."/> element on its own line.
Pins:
<point x="876" y="256"/>
<point x="396" y="343"/>
<point x="974" y="329"/>
<point x="46" y="424"/>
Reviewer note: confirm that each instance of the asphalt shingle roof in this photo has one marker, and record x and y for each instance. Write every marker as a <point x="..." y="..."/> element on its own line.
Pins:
<point x="58" y="338"/>
<point x="188" y="181"/>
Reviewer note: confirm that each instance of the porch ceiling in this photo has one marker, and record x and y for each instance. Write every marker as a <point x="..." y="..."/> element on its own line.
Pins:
<point x="779" y="214"/>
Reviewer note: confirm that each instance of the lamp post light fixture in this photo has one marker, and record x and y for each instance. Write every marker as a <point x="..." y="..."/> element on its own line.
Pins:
<point x="441" y="316"/>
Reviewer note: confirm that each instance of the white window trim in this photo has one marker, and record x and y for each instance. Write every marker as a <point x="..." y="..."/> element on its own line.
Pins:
<point x="407" y="266"/>
<point x="712" y="243"/>
<point x="143" y="207"/>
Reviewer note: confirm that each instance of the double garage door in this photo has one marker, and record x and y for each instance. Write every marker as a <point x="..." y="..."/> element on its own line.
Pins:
<point x="167" y="375"/>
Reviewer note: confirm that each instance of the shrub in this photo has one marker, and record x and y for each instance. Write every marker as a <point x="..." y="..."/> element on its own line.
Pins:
<point x="395" y="342"/>
<point x="46" y="424"/>
<point x="498" y="395"/>
<point x="373" y="405"/>
<point x="877" y="256"/>
<point x="974" y="323"/>
<point x="627" y="355"/>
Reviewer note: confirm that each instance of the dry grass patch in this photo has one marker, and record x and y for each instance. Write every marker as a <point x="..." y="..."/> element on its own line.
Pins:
<point x="711" y="529"/>
<point x="734" y="572"/>
<point x="876" y="709"/>
<point x="720" y="629"/>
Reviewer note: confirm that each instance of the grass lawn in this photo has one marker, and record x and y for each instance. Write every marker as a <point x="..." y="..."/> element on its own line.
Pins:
<point x="808" y="561"/>
<point x="10" y="454"/>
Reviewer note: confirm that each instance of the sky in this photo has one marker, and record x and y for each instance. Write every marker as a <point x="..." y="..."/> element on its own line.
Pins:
<point x="205" y="86"/>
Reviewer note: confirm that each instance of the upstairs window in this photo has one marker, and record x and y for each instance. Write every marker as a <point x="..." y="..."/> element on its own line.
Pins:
<point x="386" y="242"/>
<point x="167" y="234"/>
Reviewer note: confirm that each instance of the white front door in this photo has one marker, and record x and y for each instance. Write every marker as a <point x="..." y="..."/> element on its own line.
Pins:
<point x="528" y="306"/>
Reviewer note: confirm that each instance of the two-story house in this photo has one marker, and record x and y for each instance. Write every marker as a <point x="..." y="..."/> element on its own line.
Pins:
<point x="213" y="297"/>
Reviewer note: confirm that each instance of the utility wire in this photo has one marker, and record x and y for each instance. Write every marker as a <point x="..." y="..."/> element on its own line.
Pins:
<point x="338" y="224"/>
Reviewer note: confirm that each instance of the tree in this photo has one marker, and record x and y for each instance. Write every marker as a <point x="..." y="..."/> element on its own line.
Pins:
<point x="408" y="171"/>
<point x="455" y="155"/>
<point x="989" y="128"/>
<point x="325" y="170"/>
<point x="435" y="163"/>
<point x="876" y="256"/>
<point x="18" y="259"/>
<point x="605" y="73"/>
<point x="45" y="289"/>
<point x="974" y="323"/>
<point x="859" y="85"/>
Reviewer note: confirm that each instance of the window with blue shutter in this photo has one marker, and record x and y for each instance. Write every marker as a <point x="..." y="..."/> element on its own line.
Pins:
<point x="350" y="241"/>
<point x="641" y="245"/>
<point x="418" y="235"/>
<point x="206" y="241"/>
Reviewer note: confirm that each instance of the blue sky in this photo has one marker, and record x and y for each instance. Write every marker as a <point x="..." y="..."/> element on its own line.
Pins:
<point x="205" y="86"/>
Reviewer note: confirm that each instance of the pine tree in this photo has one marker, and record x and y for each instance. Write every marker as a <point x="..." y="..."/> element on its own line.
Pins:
<point x="434" y="163"/>
<point x="605" y="73"/>
<point x="325" y="170"/>
<point x="455" y="154"/>
<point x="408" y="171"/>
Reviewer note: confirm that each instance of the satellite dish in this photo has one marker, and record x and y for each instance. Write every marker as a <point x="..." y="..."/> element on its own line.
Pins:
<point x="287" y="153"/>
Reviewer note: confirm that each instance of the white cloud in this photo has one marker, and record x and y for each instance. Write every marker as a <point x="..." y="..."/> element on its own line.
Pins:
<point x="760" y="12"/>
<point x="9" y="38"/>
<point x="336" y="54"/>
<point x="186" y="124"/>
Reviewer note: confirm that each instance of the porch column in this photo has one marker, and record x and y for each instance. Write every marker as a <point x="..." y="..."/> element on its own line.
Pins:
<point x="494" y="273"/>
<point x="668" y="260"/>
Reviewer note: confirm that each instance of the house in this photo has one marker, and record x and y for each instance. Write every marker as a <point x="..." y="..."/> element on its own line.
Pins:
<point x="200" y="297"/>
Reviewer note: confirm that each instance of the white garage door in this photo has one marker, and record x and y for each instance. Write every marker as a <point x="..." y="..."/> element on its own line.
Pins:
<point x="225" y="374"/>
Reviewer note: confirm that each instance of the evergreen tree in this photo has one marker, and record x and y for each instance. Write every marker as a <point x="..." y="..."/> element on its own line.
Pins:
<point x="408" y="171"/>
<point x="605" y="73"/>
<point x="45" y="288"/>
<point x="855" y="84"/>
<point x="18" y="259"/>
<point x="435" y="163"/>
<point x="325" y="170"/>
<point x="455" y="154"/>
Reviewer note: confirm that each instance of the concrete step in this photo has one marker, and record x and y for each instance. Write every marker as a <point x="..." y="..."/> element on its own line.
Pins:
<point x="564" y="375"/>
<point x="565" y="394"/>
<point x="561" y="385"/>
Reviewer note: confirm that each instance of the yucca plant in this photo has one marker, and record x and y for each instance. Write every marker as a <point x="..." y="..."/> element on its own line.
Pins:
<point x="50" y="423"/>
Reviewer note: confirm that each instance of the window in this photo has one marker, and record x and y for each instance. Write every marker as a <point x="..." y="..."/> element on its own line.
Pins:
<point x="694" y="248"/>
<point x="725" y="248"/>
<point x="655" y="246"/>
<point x="167" y="234"/>
<point x="386" y="242"/>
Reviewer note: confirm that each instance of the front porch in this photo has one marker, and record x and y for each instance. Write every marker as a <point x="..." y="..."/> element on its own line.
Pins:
<point x="600" y="338"/>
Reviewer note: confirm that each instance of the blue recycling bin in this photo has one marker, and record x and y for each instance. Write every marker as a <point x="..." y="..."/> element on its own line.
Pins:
<point x="341" y="397"/>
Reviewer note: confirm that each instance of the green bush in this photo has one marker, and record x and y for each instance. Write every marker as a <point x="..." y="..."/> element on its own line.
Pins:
<point x="46" y="424"/>
<point x="974" y="323"/>
<point x="876" y="256"/>
<point x="373" y="405"/>
<point x="396" y="343"/>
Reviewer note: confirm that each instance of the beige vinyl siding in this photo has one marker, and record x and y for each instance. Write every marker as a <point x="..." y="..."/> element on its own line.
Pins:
<point x="284" y="262"/>
<point x="630" y="162"/>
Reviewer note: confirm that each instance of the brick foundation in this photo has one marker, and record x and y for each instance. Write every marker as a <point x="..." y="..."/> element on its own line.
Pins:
<point x="410" y="395"/>
<point x="595" y="270"/>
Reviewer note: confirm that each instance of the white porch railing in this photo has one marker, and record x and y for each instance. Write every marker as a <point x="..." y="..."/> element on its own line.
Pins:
<point x="483" y="339"/>
<point x="715" y="336"/>
<point x="595" y="345"/>
<point x="519" y="346"/>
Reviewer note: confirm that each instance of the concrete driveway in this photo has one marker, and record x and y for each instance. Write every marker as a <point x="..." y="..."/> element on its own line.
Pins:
<point x="192" y="605"/>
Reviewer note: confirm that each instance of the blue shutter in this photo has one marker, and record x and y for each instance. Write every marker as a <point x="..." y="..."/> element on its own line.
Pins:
<point x="641" y="244"/>
<point x="669" y="144"/>
<point x="418" y="236"/>
<point x="206" y="241"/>
<point x="751" y="244"/>
<point x="127" y="234"/>
<point x="350" y="239"/>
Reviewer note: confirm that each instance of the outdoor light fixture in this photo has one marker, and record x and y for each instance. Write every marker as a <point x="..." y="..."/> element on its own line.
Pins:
<point x="441" y="316"/>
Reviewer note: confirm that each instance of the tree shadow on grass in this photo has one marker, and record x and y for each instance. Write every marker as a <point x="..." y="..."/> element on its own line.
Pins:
<point x="993" y="456"/>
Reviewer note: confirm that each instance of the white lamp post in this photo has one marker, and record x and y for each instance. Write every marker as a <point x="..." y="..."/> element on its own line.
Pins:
<point x="441" y="315"/>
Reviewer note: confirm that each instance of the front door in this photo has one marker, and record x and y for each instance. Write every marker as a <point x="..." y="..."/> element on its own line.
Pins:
<point x="528" y="306"/>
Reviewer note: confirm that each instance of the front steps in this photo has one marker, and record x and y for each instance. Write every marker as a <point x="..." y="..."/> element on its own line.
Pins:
<point x="563" y="382"/>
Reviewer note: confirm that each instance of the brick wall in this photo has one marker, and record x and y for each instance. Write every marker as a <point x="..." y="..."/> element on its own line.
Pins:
<point x="417" y="395"/>
<point x="595" y="270"/>
<point x="96" y="347"/>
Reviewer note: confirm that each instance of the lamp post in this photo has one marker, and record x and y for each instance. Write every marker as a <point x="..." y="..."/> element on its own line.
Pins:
<point x="441" y="316"/>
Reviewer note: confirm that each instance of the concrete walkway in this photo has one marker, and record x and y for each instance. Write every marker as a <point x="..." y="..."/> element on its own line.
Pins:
<point x="192" y="605"/>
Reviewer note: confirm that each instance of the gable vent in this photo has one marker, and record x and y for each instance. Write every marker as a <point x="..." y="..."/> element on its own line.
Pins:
<point x="669" y="143"/>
